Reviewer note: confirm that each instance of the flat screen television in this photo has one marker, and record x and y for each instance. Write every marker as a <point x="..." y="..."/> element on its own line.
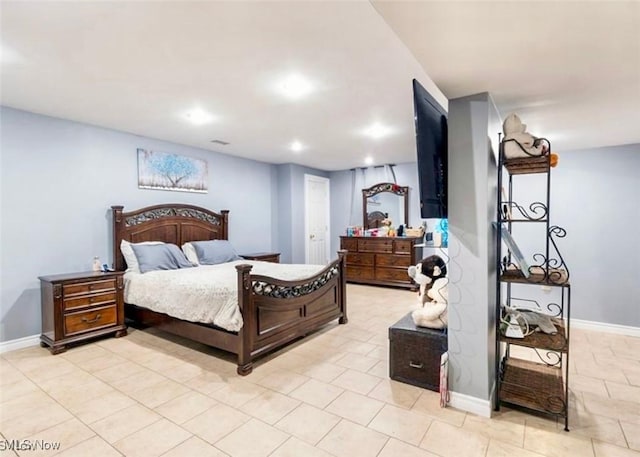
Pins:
<point x="431" y="142"/>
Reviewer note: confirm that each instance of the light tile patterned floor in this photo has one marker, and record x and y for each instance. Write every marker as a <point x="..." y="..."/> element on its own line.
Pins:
<point x="151" y="394"/>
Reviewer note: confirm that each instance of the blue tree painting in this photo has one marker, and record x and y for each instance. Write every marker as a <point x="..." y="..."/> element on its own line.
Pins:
<point x="161" y="170"/>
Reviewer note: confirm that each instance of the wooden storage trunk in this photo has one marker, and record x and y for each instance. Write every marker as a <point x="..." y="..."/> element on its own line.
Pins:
<point x="414" y="353"/>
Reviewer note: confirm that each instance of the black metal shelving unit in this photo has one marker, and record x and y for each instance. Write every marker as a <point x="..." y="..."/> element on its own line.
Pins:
<point x="541" y="385"/>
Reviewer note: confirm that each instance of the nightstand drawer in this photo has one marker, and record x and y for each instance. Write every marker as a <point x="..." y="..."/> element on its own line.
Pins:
<point x="89" y="300"/>
<point x="88" y="287"/>
<point x="90" y="320"/>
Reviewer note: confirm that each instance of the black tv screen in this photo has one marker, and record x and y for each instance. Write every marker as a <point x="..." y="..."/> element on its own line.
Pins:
<point x="431" y="141"/>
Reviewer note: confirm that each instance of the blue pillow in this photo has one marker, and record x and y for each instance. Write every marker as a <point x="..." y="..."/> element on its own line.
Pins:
<point x="215" y="251"/>
<point x="160" y="257"/>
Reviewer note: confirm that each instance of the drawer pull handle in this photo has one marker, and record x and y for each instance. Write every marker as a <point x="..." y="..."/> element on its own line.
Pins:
<point x="91" y="321"/>
<point x="415" y="365"/>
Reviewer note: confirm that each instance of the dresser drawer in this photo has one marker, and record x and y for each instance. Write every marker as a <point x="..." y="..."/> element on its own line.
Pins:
<point x="359" y="272"/>
<point x="89" y="300"/>
<point x="402" y="246"/>
<point x="88" y="287"/>
<point x="359" y="259"/>
<point x="350" y="244"/>
<point x="375" y="245"/>
<point x="92" y="319"/>
<point x="392" y="274"/>
<point x="390" y="260"/>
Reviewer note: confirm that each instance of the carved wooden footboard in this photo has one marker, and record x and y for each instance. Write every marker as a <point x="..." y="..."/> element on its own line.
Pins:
<point x="276" y="311"/>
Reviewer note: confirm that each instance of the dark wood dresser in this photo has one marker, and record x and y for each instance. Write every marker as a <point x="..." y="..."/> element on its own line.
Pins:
<point x="79" y="306"/>
<point x="263" y="256"/>
<point x="414" y="353"/>
<point x="381" y="260"/>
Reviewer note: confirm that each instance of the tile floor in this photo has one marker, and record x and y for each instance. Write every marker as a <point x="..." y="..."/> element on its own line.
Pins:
<point x="150" y="394"/>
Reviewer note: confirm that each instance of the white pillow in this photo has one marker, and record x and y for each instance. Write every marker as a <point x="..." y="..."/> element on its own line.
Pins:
<point x="130" y="256"/>
<point x="190" y="253"/>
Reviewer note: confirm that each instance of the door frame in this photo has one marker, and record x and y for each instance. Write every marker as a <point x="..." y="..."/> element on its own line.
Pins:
<point x="307" y="179"/>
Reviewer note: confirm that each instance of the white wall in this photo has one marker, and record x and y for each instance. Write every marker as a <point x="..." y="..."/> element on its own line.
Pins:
<point x="58" y="181"/>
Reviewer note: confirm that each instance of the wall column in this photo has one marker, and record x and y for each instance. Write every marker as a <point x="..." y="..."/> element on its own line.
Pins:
<point x="474" y="124"/>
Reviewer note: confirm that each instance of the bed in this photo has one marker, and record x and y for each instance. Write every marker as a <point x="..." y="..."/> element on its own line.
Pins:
<point x="274" y="311"/>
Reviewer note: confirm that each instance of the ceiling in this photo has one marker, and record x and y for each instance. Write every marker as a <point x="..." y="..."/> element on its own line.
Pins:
<point x="571" y="70"/>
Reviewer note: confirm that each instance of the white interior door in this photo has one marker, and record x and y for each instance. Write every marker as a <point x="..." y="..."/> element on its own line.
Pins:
<point x="316" y="209"/>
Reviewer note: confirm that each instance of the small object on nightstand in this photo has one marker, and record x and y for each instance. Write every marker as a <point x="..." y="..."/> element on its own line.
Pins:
<point x="96" y="264"/>
<point x="79" y="306"/>
<point x="263" y="256"/>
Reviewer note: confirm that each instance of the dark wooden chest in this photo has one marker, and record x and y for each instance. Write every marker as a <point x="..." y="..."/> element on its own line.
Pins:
<point x="414" y="353"/>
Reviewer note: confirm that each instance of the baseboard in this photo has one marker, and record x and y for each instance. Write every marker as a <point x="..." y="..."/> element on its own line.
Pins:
<point x="19" y="343"/>
<point x="471" y="404"/>
<point x="605" y="327"/>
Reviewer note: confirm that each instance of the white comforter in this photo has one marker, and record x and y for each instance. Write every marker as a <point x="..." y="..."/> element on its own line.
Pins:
<point x="207" y="294"/>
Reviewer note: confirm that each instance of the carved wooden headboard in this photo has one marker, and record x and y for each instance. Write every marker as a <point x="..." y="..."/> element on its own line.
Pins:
<point x="171" y="223"/>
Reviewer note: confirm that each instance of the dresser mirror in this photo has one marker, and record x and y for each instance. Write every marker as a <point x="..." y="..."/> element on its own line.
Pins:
<point x="385" y="200"/>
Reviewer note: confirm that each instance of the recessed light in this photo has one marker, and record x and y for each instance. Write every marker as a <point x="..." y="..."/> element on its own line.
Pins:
<point x="296" y="146"/>
<point x="368" y="160"/>
<point x="198" y="116"/>
<point x="295" y="86"/>
<point x="377" y="131"/>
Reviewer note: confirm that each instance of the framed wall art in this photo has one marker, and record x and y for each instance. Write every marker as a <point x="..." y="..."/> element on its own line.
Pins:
<point x="167" y="171"/>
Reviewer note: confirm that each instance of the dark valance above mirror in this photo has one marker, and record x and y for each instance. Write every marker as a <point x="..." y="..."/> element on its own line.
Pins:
<point x="385" y="201"/>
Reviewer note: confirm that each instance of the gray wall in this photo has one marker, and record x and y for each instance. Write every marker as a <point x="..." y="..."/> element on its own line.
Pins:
<point x="595" y="197"/>
<point x="291" y="199"/>
<point x="344" y="212"/>
<point x="285" y="212"/>
<point x="59" y="179"/>
<point x="473" y="127"/>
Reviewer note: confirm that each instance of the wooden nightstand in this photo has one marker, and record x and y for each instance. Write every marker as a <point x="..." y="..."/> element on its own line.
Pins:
<point x="79" y="306"/>
<point x="264" y="256"/>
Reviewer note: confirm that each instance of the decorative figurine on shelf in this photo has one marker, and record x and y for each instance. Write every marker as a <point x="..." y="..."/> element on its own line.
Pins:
<point x="518" y="142"/>
<point x="431" y="274"/>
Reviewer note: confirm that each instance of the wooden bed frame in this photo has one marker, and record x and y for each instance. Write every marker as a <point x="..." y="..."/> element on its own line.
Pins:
<point x="275" y="312"/>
